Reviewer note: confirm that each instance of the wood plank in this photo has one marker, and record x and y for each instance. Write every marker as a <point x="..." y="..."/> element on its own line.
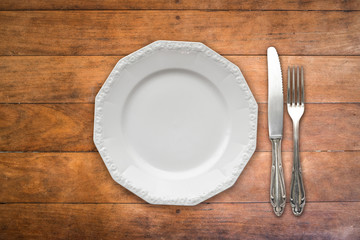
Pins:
<point x="205" y="221"/>
<point x="38" y="127"/>
<point x="234" y="32"/>
<point x="69" y="127"/>
<point x="55" y="79"/>
<point x="181" y="4"/>
<point x="67" y="178"/>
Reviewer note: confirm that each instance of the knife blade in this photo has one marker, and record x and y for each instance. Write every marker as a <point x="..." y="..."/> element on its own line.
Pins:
<point x="275" y="124"/>
<point x="275" y="94"/>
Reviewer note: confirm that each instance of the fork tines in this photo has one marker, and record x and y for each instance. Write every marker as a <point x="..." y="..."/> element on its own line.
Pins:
<point x="299" y="74"/>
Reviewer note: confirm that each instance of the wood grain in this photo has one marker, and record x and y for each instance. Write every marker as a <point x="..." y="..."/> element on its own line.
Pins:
<point x="181" y="4"/>
<point x="83" y="178"/>
<point x="210" y="221"/>
<point x="57" y="127"/>
<point x="69" y="79"/>
<point x="234" y="32"/>
<point x="55" y="57"/>
<point x="69" y="127"/>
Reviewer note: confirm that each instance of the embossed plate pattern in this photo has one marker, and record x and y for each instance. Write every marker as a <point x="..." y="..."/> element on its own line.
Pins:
<point x="175" y="123"/>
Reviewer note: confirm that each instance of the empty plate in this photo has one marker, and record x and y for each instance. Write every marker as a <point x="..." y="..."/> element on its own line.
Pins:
<point x="175" y="123"/>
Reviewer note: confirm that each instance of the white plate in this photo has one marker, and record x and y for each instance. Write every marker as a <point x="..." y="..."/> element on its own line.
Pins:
<point x="175" y="123"/>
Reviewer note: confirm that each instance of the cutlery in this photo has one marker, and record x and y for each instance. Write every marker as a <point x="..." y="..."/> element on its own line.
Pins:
<point x="296" y="107"/>
<point x="275" y="124"/>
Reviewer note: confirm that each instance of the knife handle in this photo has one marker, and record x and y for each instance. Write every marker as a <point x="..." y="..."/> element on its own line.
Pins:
<point x="277" y="185"/>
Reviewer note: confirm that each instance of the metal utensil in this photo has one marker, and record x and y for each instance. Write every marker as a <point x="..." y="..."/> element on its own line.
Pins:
<point x="275" y="123"/>
<point x="296" y="108"/>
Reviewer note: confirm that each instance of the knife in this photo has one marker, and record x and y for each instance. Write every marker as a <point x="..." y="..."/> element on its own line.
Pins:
<point x="275" y="123"/>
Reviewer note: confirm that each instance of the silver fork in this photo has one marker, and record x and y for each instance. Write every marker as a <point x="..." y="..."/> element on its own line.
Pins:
<point x="296" y="107"/>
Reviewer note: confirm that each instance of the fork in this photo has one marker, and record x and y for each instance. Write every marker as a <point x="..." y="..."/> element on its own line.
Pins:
<point x="296" y="107"/>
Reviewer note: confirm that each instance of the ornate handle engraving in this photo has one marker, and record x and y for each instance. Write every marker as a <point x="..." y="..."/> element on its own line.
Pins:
<point x="297" y="195"/>
<point x="297" y="191"/>
<point x="277" y="185"/>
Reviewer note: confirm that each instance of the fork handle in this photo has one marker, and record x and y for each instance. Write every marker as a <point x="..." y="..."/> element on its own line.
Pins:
<point x="297" y="191"/>
<point x="277" y="185"/>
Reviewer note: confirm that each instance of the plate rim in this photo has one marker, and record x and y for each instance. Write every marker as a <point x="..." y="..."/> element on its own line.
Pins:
<point x="184" y="47"/>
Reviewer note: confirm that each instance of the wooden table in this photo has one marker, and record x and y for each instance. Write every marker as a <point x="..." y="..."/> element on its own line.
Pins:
<point x="55" y="55"/>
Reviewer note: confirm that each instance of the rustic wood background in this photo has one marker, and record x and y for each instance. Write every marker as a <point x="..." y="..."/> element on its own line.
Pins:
<point x="56" y="54"/>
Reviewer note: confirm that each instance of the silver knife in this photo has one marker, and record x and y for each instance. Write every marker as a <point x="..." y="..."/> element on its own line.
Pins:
<point x="275" y="123"/>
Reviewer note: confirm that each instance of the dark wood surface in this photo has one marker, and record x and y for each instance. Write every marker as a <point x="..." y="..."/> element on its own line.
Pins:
<point x="142" y="221"/>
<point x="54" y="57"/>
<point x="56" y="177"/>
<point x="227" y="32"/>
<point x="180" y="5"/>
